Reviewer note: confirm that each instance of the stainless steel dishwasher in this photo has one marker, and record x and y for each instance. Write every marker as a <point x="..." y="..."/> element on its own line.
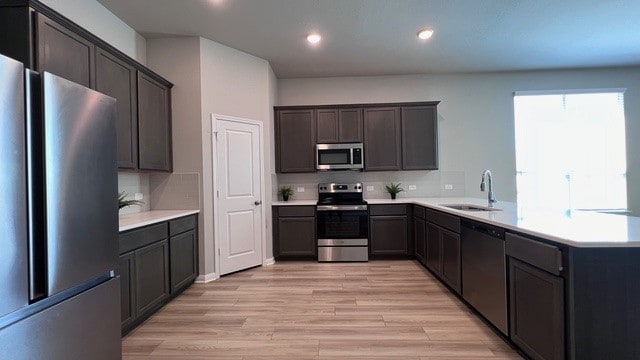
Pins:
<point x="484" y="271"/>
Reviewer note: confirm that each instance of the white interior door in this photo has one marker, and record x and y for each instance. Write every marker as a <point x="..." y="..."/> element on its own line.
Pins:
<point x="238" y="159"/>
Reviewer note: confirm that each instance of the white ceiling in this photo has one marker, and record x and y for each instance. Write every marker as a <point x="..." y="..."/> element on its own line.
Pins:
<point x="378" y="37"/>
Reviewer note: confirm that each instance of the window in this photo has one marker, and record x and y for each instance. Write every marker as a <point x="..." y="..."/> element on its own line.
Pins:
<point x="570" y="150"/>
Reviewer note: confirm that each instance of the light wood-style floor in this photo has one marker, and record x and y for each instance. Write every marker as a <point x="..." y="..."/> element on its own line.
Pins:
<point x="305" y="310"/>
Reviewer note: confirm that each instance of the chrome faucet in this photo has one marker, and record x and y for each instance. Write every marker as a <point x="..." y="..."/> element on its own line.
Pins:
<point x="491" y="198"/>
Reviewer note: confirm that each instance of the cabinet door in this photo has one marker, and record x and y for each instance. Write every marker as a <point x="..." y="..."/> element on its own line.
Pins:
<point x="152" y="276"/>
<point x="127" y="289"/>
<point x="434" y="252"/>
<point x="537" y="311"/>
<point x="295" y="141"/>
<point x="350" y="125"/>
<point x="116" y="78"/>
<point x="64" y="53"/>
<point x="420" y="234"/>
<point x="154" y="125"/>
<point x="419" y="138"/>
<point x="327" y="126"/>
<point x="450" y="243"/>
<point x="183" y="255"/>
<point x="382" y="139"/>
<point x="388" y="235"/>
<point x="296" y="236"/>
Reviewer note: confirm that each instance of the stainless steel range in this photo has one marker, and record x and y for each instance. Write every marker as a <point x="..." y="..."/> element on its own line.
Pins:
<point x="342" y="223"/>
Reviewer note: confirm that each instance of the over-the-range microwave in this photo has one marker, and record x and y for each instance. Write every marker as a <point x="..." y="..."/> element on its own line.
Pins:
<point x="345" y="156"/>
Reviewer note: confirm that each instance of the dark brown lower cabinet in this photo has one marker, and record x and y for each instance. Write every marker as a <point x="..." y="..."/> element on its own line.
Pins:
<point x="183" y="254"/>
<point x="450" y="245"/>
<point x="537" y="311"/>
<point x="443" y="248"/>
<point x="434" y="253"/>
<point x="152" y="276"/>
<point x="157" y="262"/>
<point x="294" y="232"/>
<point x="388" y="235"/>
<point x="420" y="236"/>
<point x="127" y="289"/>
<point x="389" y="230"/>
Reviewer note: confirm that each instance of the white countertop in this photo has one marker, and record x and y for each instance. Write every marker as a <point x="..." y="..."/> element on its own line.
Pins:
<point x="295" y="202"/>
<point x="580" y="229"/>
<point x="132" y="221"/>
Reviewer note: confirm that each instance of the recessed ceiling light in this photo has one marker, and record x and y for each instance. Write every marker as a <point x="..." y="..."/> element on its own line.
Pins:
<point x="314" y="38"/>
<point x="424" y="34"/>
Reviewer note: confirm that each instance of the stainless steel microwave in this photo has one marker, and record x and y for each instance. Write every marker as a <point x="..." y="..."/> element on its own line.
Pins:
<point x="339" y="156"/>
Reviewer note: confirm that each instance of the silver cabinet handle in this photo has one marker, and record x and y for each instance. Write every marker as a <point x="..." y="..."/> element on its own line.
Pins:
<point x="257" y="202"/>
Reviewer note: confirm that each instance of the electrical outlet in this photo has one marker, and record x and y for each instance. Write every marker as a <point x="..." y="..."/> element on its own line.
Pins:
<point x="412" y="187"/>
<point x="448" y="186"/>
<point x="370" y="188"/>
<point x="138" y="196"/>
<point x="300" y="189"/>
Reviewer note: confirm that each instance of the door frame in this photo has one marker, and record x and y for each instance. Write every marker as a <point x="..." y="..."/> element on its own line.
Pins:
<point x="216" y="199"/>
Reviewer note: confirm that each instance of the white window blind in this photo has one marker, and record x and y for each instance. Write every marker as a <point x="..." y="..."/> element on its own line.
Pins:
<point x="570" y="150"/>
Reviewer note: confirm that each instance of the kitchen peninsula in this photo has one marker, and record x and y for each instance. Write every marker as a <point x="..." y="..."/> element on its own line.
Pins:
<point x="568" y="281"/>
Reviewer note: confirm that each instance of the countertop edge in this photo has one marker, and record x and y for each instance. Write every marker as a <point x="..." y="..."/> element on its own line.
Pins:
<point x="137" y="220"/>
<point x="474" y="217"/>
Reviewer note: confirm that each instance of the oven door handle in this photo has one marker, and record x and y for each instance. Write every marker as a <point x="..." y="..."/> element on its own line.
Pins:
<point x="341" y="207"/>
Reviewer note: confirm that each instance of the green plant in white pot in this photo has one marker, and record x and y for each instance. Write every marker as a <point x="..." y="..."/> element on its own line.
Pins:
<point x="393" y="189"/>
<point x="285" y="192"/>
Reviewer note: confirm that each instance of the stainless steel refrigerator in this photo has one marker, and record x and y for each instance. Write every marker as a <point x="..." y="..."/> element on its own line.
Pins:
<point x="59" y="296"/>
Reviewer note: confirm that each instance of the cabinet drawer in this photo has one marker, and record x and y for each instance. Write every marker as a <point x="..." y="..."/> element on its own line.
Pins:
<point x="544" y="256"/>
<point x="181" y="225"/>
<point x="419" y="211"/>
<point x="138" y="238"/>
<point x="388" y="210"/>
<point x="296" y="211"/>
<point x="446" y="221"/>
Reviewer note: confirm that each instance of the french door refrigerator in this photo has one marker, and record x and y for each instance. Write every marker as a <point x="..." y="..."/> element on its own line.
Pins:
<point x="59" y="296"/>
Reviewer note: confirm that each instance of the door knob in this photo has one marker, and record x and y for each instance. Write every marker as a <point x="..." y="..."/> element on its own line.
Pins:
<point x="257" y="202"/>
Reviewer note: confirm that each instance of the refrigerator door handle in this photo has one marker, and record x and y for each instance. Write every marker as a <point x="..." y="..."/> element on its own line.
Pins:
<point x="35" y="187"/>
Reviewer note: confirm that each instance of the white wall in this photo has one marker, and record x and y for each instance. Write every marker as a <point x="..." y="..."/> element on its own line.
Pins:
<point x="236" y="84"/>
<point x="101" y="22"/>
<point x="209" y="78"/>
<point x="178" y="60"/>
<point x="476" y="128"/>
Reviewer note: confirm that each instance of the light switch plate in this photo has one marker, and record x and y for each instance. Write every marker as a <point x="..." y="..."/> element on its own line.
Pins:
<point x="369" y="187"/>
<point x="448" y="186"/>
<point x="300" y="189"/>
<point x="412" y="187"/>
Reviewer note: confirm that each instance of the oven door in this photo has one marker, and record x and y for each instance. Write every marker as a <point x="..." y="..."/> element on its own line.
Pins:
<point x="339" y="222"/>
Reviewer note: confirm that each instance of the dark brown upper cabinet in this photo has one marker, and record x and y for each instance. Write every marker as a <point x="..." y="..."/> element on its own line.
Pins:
<point x="63" y="52"/>
<point x="117" y="78"/>
<point x="295" y="132"/>
<point x="419" y="138"/>
<point x="154" y="125"/>
<point x="44" y="40"/>
<point x="327" y="126"/>
<point x="382" y="139"/>
<point x="339" y="125"/>
<point x="396" y="136"/>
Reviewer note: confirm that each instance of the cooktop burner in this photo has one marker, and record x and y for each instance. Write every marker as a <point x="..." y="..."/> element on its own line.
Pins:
<point x="340" y="194"/>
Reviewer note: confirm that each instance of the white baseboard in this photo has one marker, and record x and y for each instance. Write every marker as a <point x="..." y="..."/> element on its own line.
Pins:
<point x="269" y="261"/>
<point x="207" y="278"/>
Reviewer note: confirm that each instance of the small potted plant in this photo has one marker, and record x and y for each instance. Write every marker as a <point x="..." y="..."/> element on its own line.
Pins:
<point x="393" y="189"/>
<point x="285" y="192"/>
<point x="124" y="202"/>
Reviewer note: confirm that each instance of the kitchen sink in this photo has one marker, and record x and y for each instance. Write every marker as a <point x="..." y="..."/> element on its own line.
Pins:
<point x="469" y="207"/>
